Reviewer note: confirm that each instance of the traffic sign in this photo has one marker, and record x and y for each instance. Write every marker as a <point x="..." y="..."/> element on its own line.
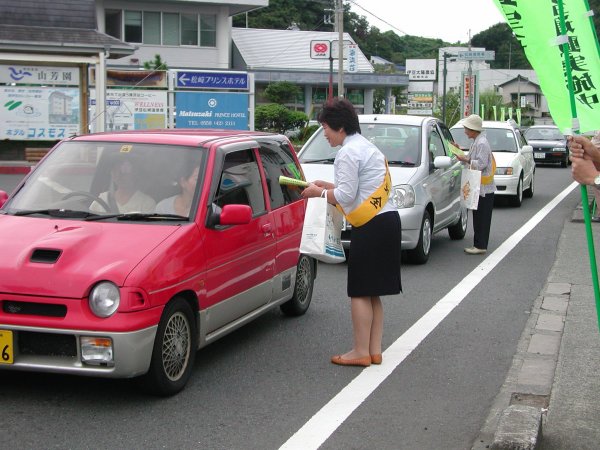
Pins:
<point x="472" y="55"/>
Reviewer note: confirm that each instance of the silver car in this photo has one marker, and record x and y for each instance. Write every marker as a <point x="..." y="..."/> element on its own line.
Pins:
<point x="425" y="176"/>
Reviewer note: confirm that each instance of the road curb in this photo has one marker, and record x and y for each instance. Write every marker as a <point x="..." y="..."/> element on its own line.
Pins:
<point x="516" y="418"/>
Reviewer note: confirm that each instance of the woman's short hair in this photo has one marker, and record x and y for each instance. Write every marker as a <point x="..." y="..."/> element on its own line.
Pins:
<point x="339" y="113"/>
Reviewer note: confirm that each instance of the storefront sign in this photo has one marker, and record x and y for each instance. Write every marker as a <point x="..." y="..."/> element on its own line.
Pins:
<point x="42" y="114"/>
<point x="20" y="74"/>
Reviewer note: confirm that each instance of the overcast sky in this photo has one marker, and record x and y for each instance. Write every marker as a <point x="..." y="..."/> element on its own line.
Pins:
<point x="449" y="20"/>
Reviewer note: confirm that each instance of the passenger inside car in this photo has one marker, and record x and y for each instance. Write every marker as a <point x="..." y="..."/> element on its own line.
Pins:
<point x="181" y="203"/>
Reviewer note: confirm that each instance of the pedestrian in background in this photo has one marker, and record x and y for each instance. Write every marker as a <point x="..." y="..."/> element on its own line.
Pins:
<point x="480" y="158"/>
<point x="361" y="190"/>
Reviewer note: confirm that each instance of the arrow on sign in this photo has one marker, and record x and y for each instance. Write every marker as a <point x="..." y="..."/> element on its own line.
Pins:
<point x="183" y="79"/>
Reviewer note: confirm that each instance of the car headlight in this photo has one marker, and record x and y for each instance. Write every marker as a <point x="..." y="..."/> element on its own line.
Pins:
<point x="403" y="196"/>
<point x="104" y="299"/>
<point x="504" y="170"/>
<point x="559" y="149"/>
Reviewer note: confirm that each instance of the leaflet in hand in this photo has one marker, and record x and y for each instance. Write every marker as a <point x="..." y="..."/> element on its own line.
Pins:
<point x="292" y="181"/>
<point x="454" y="149"/>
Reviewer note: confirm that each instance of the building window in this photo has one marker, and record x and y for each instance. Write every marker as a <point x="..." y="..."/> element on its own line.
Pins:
<point x="170" y="29"/>
<point x="189" y="29"/>
<point x="208" y="31"/>
<point x="112" y="23"/>
<point x="133" y="26"/>
<point x="151" y="28"/>
<point x="156" y="28"/>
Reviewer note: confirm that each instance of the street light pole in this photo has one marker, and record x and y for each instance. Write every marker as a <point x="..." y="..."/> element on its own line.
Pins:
<point x="445" y="74"/>
<point x="340" y="26"/>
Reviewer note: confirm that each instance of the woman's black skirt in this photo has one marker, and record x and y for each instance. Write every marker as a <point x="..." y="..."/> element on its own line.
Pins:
<point x="374" y="259"/>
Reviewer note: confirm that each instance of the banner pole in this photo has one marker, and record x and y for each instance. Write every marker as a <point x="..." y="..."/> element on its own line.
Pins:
<point x="584" y="196"/>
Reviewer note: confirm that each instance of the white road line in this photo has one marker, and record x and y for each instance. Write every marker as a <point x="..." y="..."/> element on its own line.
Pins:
<point x="333" y="414"/>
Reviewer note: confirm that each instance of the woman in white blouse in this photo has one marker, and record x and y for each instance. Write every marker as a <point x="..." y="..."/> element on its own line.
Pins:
<point x="361" y="188"/>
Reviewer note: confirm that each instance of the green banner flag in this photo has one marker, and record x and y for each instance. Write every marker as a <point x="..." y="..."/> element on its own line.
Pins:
<point x="495" y="113"/>
<point x="536" y="24"/>
<point x="510" y="112"/>
<point x="482" y="112"/>
<point x="519" y="116"/>
<point x="502" y="113"/>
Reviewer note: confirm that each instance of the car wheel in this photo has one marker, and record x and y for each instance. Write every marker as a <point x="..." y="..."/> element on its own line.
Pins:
<point x="420" y="254"/>
<point x="529" y="191"/>
<point x="458" y="230"/>
<point x="517" y="199"/>
<point x="305" y="278"/>
<point x="174" y="350"/>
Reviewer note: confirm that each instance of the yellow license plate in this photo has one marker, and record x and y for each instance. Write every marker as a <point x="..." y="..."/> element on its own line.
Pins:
<point x="6" y="347"/>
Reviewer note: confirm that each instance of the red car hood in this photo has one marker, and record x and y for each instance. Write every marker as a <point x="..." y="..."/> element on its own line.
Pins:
<point x="65" y="258"/>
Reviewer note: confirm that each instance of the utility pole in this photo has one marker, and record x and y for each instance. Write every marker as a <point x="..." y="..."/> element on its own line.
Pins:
<point x="340" y="27"/>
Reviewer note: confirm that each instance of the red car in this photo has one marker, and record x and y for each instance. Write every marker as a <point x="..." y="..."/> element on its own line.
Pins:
<point x="124" y="253"/>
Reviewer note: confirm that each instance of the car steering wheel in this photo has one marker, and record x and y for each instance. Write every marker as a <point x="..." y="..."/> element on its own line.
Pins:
<point x="90" y="196"/>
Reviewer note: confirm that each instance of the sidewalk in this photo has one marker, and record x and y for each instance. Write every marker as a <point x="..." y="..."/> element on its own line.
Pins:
<point x="15" y="167"/>
<point x="550" y="399"/>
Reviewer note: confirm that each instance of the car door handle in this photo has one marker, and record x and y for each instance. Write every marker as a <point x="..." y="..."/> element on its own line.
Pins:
<point x="266" y="228"/>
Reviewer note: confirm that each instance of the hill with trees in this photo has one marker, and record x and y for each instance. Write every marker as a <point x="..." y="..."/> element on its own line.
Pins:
<point x="309" y="15"/>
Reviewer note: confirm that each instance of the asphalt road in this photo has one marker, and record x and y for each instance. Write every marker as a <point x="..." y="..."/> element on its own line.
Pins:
<point x="256" y="387"/>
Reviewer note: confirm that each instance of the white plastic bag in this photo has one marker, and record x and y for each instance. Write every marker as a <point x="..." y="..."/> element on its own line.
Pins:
<point x="322" y="230"/>
<point x="470" y="185"/>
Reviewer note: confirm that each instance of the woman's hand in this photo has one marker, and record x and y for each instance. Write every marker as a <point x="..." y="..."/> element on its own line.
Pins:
<point x="312" y="190"/>
<point x="463" y="158"/>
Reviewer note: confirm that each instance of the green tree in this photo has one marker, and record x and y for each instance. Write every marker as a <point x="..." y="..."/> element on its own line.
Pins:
<point x="278" y="118"/>
<point x="282" y="92"/>
<point x="452" y="108"/>
<point x="509" y="53"/>
<point x="489" y="99"/>
<point x="156" y="64"/>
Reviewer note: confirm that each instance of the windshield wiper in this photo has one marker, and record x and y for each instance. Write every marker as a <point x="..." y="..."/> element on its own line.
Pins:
<point x="402" y="163"/>
<point x="66" y="213"/>
<point x="138" y="216"/>
<point x="316" y="161"/>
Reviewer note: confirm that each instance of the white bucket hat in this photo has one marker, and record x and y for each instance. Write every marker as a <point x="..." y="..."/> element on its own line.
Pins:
<point x="473" y="122"/>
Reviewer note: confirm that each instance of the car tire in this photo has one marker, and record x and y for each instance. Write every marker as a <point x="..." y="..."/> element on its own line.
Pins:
<point x="303" y="288"/>
<point x="420" y="254"/>
<point x="517" y="199"/>
<point x="174" y="351"/>
<point x="530" y="190"/>
<point x="458" y="230"/>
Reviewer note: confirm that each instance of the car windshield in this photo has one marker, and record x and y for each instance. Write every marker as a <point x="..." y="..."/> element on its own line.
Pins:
<point x="93" y="180"/>
<point x="544" y="134"/>
<point x="500" y="139"/>
<point x="399" y="144"/>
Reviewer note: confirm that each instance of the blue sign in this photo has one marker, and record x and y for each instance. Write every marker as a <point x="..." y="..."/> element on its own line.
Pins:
<point x="211" y="110"/>
<point x="212" y="80"/>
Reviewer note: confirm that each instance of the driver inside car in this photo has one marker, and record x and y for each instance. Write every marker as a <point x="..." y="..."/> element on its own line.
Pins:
<point x="123" y="196"/>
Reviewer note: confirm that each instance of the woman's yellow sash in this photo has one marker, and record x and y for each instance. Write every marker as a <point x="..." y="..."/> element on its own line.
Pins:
<point x="488" y="179"/>
<point x="372" y="204"/>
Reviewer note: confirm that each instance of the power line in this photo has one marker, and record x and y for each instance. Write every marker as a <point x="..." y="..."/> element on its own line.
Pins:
<point x="377" y="17"/>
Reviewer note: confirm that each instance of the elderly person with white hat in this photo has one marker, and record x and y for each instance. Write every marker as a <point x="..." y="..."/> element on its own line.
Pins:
<point x="480" y="158"/>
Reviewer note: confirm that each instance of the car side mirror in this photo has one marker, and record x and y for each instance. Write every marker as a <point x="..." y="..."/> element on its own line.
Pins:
<point x="229" y="215"/>
<point x="3" y="198"/>
<point x="442" y="162"/>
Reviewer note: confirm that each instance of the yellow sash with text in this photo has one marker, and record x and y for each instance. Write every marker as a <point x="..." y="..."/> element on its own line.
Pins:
<point x="372" y="204"/>
<point x="488" y="179"/>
